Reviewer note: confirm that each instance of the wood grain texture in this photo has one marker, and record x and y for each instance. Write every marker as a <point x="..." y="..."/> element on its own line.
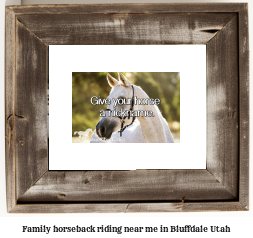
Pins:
<point x="223" y="186"/>
<point x="129" y="207"/>
<point x="222" y="107"/>
<point x="124" y="29"/>
<point x="244" y="106"/>
<point x="186" y="207"/>
<point x="30" y="109"/>
<point x="155" y="8"/>
<point x="140" y="185"/>
<point x="9" y="108"/>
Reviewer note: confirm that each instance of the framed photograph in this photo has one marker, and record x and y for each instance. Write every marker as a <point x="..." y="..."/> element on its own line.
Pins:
<point x="176" y="73"/>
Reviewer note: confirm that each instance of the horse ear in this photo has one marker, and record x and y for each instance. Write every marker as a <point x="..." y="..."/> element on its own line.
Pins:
<point x="112" y="81"/>
<point x="124" y="80"/>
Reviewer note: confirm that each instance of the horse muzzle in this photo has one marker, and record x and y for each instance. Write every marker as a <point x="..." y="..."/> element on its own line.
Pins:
<point x="105" y="128"/>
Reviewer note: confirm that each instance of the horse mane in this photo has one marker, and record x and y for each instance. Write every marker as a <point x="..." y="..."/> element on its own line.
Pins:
<point x="155" y="129"/>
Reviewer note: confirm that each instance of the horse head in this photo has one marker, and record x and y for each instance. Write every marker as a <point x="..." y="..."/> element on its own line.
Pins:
<point x="122" y="92"/>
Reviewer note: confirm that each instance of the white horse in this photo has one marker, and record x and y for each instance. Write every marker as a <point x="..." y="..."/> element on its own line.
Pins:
<point x="83" y="134"/>
<point x="143" y="130"/>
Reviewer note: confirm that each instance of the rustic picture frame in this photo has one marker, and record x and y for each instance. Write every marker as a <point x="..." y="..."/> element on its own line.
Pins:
<point x="222" y="186"/>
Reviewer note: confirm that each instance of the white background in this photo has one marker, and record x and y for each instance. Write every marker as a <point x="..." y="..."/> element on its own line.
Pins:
<point x="65" y="155"/>
<point x="11" y="224"/>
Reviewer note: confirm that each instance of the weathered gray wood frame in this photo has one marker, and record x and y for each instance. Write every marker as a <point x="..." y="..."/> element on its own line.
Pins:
<point x="222" y="186"/>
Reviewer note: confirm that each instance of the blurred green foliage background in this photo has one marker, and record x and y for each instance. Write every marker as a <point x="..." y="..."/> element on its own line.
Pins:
<point x="165" y="86"/>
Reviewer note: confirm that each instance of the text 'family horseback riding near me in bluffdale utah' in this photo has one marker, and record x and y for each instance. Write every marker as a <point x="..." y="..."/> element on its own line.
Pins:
<point x="127" y="229"/>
